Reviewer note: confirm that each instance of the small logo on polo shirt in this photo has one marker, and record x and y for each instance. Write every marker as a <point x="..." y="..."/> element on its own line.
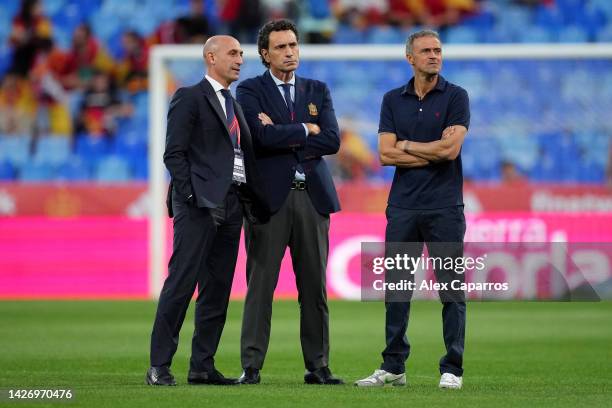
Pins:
<point x="437" y="114"/>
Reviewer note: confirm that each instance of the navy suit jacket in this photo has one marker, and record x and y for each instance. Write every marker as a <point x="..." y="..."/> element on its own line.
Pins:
<point x="199" y="152"/>
<point x="279" y="147"/>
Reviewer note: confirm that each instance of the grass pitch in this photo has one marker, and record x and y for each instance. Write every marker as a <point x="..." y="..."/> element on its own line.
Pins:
<point x="517" y="354"/>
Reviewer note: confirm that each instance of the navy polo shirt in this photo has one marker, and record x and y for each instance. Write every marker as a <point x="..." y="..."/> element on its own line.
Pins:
<point x="437" y="185"/>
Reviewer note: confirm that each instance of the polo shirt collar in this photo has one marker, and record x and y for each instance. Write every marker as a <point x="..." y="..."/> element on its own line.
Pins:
<point x="409" y="88"/>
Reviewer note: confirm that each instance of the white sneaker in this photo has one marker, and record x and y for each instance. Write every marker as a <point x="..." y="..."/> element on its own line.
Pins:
<point x="380" y="378"/>
<point x="449" y="380"/>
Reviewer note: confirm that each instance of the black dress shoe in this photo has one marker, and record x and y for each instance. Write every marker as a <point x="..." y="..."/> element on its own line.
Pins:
<point x="159" y="376"/>
<point x="249" y="376"/>
<point x="321" y="376"/>
<point x="210" y="378"/>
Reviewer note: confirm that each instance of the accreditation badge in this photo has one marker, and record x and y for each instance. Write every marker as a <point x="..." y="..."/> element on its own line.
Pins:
<point x="239" y="174"/>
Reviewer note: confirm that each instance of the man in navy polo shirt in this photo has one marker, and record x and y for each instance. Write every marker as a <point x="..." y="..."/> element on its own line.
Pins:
<point x="422" y="127"/>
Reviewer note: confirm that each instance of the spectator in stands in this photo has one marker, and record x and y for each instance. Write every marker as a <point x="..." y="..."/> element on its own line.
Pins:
<point x="131" y="73"/>
<point x="86" y="56"/>
<point x="30" y="27"/>
<point x="510" y="174"/>
<point x="316" y="21"/>
<point x="361" y="13"/>
<point x="354" y="161"/>
<point x="53" y="113"/>
<point x="194" y="28"/>
<point x="401" y="13"/>
<point x="351" y="17"/>
<point x="242" y="18"/>
<point x="101" y="107"/>
<point x="441" y="13"/>
<point x="17" y="105"/>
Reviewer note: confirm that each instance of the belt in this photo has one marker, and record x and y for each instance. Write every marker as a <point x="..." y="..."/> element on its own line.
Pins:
<point x="298" y="185"/>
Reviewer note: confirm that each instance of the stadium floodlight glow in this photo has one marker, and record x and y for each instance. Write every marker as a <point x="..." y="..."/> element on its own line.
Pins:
<point x="160" y="55"/>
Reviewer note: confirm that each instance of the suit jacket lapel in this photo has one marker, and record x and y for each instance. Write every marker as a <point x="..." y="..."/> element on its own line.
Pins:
<point x="300" y="102"/>
<point x="278" y="101"/>
<point x="214" y="102"/>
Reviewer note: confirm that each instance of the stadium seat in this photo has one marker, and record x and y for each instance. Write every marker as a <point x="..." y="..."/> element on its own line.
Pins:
<point x="113" y="169"/>
<point x="7" y="171"/>
<point x="461" y="35"/>
<point x="145" y="24"/>
<point x="131" y="147"/>
<point x="5" y="26"/>
<point x="385" y="35"/>
<point x="348" y="35"/>
<point x="511" y="19"/>
<point x="573" y="34"/>
<point x="52" y="149"/>
<point x="33" y="171"/>
<point x="15" y="149"/>
<point x="105" y="25"/>
<point x="535" y="34"/>
<point x="141" y="105"/>
<point x="549" y="17"/>
<point x="482" y="21"/>
<point x="67" y="18"/>
<point x="140" y="169"/>
<point x="74" y="169"/>
<point x="53" y="7"/>
<point x="605" y="34"/>
<point x="92" y="149"/>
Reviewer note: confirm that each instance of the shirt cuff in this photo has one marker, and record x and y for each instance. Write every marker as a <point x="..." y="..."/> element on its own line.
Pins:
<point x="305" y="129"/>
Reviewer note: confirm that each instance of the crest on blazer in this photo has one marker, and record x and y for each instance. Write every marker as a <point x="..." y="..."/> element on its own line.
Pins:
<point x="312" y="109"/>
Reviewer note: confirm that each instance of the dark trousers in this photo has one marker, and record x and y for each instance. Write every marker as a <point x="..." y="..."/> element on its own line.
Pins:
<point x="297" y="225"/>
<point x="205" y="249"/>
<point x="446" y="225"/>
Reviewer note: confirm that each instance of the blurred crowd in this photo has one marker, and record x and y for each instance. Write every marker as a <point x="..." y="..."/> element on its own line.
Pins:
<point x="81" y="77"/>
<point x="47" y="89"/>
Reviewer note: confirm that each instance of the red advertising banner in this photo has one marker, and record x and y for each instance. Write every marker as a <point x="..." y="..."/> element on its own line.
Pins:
<point x="106" y="257"/>
<point x="131" y="199"/>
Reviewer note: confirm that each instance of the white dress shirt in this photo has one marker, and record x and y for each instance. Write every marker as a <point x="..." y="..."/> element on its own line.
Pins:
<point x="218" y="87"/>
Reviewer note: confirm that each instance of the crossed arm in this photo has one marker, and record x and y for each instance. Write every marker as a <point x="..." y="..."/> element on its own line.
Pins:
<point x="406" y="153"/>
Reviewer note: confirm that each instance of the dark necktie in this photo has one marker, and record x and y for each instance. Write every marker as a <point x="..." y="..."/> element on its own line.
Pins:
<point x="287" y="91"/>
<point x="232" y="122"/>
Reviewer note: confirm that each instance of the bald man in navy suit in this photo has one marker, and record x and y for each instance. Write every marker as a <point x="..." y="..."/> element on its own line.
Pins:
<point x="209" y="154"/>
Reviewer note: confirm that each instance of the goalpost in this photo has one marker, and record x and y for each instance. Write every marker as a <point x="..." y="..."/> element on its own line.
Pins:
<point x="158" y="99"/>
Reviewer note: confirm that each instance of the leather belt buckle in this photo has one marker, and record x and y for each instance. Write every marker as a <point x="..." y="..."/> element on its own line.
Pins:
<point x="298" y="185"/>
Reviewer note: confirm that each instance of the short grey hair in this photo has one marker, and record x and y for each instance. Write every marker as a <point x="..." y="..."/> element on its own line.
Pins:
<point x="419" y="34"/>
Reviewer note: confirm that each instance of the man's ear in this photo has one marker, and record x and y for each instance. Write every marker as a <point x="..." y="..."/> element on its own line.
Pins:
<point x="410" y="59"/>
<point x="265" y="55"/>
